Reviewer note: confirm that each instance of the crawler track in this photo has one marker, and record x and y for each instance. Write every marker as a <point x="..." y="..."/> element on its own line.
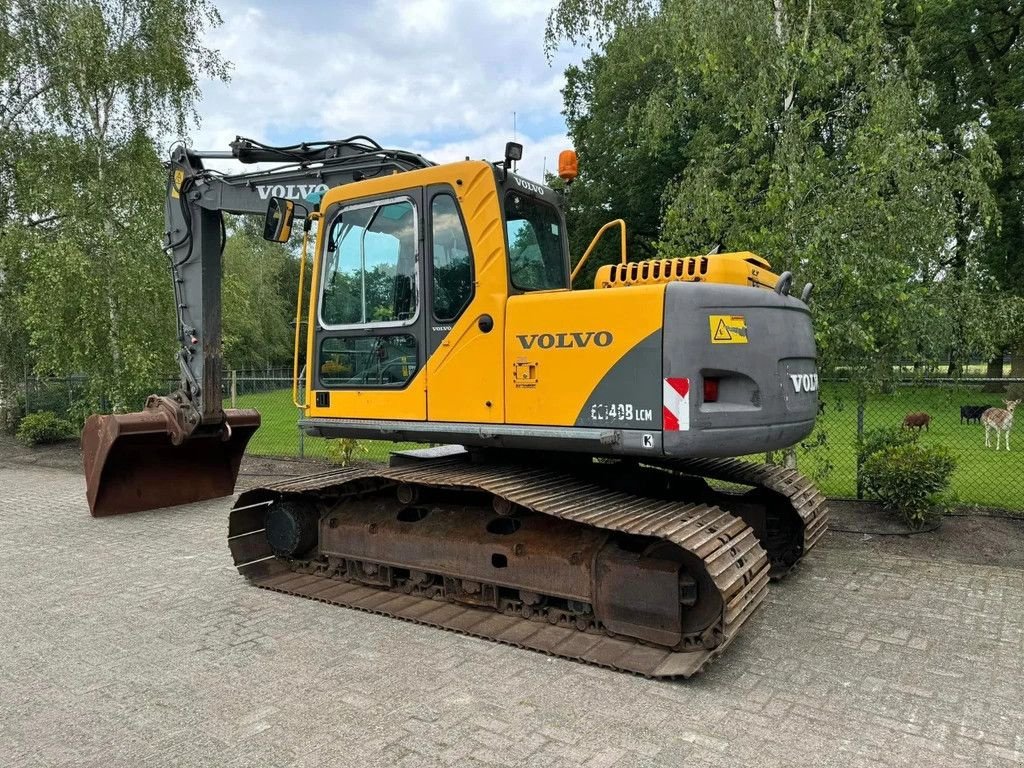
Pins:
<point x="797" y="509"/>
<point x="732" y="559"/>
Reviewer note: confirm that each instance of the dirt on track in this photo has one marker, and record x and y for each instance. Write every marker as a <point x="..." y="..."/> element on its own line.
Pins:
<point x="990" y="538"/>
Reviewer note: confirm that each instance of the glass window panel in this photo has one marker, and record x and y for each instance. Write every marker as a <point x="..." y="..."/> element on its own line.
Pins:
<point x="453" y="282"/>
<point x="368" y="361"/>
<point x="536" y="257"/>
<point x="370" y="266"/>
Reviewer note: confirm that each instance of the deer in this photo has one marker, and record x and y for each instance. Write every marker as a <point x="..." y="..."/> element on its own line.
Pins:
<point x="1001" y="420"/>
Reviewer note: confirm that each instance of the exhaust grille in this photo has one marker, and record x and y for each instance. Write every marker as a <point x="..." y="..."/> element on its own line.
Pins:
<point x="742" y="268"/>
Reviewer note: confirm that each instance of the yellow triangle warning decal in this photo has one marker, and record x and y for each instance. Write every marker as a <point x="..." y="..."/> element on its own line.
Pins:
<point x="728" y="329"/>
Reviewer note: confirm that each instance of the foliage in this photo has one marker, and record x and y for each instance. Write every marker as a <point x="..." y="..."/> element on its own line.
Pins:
<point x="79" y="411"/>
<point x="883" y="438"/>
<point x="86" y="89"/>
<point x="623" y="173"/>
<point x="44" y="427"/>
<point x="343" y="450"/>
<point x="972" y="51"/>
<point x="812" y="133"/>
<point x="908" y="478"/>
<point x="260" y="279"/>
<point x="96" y="298"/>
<point x="815" y="458"/>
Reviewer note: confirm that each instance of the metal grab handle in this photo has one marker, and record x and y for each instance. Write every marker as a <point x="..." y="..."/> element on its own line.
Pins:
<point x="593" y="243"/>
<point x="783" y="284"/>
<point x="298" y="322"/>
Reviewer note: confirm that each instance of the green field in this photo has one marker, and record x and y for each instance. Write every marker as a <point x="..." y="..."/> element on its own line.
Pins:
<point x="983" y="476"/>
<point x="279" y="436"/>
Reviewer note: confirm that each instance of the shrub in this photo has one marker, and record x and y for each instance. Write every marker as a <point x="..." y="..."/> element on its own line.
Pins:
<point x="875" y="440"/>
<point x="79" y="411"/>
<point x="44" y="427"/>
<point x="343" y="450"/>
<point x="908" y="478"/>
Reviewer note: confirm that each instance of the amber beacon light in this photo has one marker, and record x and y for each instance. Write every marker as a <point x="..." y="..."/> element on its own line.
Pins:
<point x="568" y="168"/>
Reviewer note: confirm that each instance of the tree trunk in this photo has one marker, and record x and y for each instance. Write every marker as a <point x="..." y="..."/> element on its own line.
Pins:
<point x="958" y="271"/>
<point x="7" y="406"/>
<point x="1017" y="363"/>
<point x="953" y="369"/>
<point x="994" y="370"/>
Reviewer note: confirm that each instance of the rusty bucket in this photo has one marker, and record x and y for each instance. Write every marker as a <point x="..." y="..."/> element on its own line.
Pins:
<point x="139" y="461"/>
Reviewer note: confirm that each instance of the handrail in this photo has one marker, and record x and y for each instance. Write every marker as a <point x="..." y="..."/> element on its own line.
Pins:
<point x="298" y="314"/>
<point x="593" y="243"/>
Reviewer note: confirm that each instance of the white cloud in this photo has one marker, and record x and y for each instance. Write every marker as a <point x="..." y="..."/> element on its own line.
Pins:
<point x="442" y="77"/>
<point x="538" y="153"/>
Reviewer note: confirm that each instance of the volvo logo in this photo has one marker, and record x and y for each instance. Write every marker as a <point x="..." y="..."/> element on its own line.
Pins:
<point x="529" y="186"/>
<point x="573" y="340"/>
<point x="289" y="191"/>
<point x="804" y="382"/>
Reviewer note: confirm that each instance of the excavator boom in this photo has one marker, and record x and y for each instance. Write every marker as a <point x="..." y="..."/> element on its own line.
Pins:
<point x="186" y="447"/>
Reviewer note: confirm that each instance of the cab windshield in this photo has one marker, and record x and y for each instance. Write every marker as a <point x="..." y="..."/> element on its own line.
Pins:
<point x="535" y="252"/>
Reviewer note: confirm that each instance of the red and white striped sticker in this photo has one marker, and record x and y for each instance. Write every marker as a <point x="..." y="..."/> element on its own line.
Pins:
<point x="676" y="404"/>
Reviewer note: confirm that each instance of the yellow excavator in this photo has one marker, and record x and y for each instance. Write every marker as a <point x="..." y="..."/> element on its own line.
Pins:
<point x="566" y="505"/>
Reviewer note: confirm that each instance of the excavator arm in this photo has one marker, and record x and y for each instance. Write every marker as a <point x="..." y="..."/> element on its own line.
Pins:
<point x="185" y="447"/>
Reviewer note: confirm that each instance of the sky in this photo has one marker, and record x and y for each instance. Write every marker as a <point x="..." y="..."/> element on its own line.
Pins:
<point x="438" y="77"/>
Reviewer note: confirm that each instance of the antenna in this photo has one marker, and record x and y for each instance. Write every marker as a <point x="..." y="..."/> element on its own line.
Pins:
<point x="544" y="169"/>
<point x="514" y="135"/>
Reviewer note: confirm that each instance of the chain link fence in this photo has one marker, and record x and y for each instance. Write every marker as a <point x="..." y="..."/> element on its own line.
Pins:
<point x="944" y="412"/>
<point x="268" y="390"/>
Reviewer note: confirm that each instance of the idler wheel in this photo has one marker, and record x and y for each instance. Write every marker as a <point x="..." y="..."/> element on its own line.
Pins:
<point x="291" y="528"/>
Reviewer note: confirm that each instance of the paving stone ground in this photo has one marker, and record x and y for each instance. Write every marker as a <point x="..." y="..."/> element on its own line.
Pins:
<point x="131" y="641"/>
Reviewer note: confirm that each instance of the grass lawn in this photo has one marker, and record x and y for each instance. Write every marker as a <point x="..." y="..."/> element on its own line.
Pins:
<point x="983" y="476"/>
<point x="279" y="436"/>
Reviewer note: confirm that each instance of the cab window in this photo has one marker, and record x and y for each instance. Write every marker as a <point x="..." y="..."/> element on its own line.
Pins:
<point x="370" y="265"/>
<point x="536" y="257"/>
<point x="368" y="361"/>
<point x="453" y="274"/>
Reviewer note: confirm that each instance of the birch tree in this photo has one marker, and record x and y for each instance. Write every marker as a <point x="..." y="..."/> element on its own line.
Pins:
<point x="804" y="130"/>
<point x="87" y="90"/>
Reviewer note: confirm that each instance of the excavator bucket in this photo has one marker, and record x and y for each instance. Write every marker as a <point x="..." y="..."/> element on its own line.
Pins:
<point x="139" y="461"/>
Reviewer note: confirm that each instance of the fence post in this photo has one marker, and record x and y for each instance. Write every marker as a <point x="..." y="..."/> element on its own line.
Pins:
<point x="234" y="386"/>
<point x="28" y="408"/>
<point x="860" y="440"/>
<point x="302" y="443"/>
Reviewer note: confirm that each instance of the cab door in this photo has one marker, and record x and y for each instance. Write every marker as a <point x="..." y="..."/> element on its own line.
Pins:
<point x="466" y="290"/>
<point x="369" y="348"/>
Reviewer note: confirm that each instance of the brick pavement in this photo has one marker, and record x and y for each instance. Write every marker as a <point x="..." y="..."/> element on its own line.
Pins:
<point x="132" y="641"/>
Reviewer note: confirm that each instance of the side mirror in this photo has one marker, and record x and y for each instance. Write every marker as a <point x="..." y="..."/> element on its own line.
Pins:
<point x="277" y="227"/>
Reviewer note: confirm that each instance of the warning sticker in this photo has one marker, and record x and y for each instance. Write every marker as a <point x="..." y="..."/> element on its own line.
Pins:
<point x="728" y="329"/>
<point x="179" y="177"/>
